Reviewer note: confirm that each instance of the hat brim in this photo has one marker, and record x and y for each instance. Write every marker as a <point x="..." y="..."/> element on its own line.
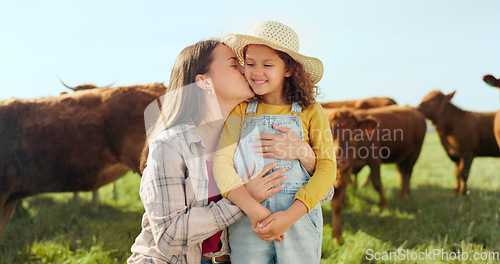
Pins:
<point x="238" y="42"/>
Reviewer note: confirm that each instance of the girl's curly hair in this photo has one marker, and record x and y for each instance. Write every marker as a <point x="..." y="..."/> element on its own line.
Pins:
<point x="298" y="87"/>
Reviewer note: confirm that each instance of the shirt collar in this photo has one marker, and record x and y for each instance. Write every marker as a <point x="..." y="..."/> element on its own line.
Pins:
<point x="190" y="134"/>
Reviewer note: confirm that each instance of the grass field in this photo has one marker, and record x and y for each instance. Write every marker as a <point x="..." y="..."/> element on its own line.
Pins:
<point x="51" y="228"/>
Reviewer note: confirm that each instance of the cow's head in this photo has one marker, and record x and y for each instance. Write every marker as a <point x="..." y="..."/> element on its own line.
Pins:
<point x="433" y="104"/>
<point x="347" y="129"/>
<point x="492" y="81"/>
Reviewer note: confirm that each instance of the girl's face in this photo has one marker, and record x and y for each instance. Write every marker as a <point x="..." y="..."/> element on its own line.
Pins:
<point x="227" y="77"/>
<point x="266" y="72"/>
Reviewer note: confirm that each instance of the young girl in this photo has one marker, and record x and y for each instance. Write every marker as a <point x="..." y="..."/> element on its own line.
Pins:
<point x="284" y="111"/>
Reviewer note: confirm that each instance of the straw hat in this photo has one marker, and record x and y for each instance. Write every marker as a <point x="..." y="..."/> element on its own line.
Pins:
<point x="279" y="37"/>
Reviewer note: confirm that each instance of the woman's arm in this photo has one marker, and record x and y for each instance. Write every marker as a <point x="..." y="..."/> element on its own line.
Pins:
<point x="229" y="182"/>
<point x="232" y="186"/>
<point x="163" y="192"/>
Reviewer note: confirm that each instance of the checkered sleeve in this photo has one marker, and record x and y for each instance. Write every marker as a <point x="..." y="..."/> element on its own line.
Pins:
<point x="175" y="224"/>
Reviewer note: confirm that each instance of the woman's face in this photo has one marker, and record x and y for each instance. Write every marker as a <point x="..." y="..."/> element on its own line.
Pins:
<point x="227" y="76"/>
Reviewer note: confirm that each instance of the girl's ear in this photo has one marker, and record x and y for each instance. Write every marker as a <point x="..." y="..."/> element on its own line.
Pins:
<point x="288" y="73"/>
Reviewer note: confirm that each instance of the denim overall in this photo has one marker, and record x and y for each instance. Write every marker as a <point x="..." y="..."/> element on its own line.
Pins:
<point x="302" y="243"/>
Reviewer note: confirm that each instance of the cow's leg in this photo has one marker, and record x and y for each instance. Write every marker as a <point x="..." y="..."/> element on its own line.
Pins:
<point x="462" y="169"/>
<point x="113" y="189"/>
<point x="401" y="176"/>
<point x="6" y="212"/>
<point x="95" y="197"/>
<point x="377" y="183"/>
<point x="337" y="202"/>
<point x="465" y="165"/>
<point x="404" y="172"/>
<point x="457" y="177"/>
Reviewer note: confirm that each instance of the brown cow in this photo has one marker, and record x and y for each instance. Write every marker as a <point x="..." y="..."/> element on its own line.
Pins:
<point x="73" y="142"/>
<point x="365" y="103"/>
<point x="464" y="134"/>
<point x="361" y="103"/>
<point x="390" y="134"/>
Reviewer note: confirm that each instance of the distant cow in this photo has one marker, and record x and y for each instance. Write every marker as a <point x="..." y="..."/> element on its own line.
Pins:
<point x="464" y="134"/>
<point x="391" y="134"/>
<point x="361" y="103"/>
<point x="73" y="142"/>
<point x="365" y="103"/>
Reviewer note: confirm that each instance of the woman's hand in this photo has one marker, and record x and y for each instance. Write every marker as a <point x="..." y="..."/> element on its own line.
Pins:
<point x="261" y="187"/>
<point x="286" y="145"/>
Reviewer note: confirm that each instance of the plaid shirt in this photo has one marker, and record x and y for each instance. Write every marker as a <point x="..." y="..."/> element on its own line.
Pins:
<point x="174" y="191"/>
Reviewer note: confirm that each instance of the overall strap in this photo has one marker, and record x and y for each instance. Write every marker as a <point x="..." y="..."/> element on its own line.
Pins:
<point x="252" y="107"/>
<point x="296" y="108"/>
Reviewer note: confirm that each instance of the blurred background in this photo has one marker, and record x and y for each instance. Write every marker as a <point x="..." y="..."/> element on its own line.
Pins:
<point x="401" y="49"/>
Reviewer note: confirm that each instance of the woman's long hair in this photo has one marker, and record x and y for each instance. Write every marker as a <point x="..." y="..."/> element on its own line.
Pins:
<point x="183" y="101"/>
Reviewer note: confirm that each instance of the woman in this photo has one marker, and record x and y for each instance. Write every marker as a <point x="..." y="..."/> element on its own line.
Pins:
<point x="185" y="220"/>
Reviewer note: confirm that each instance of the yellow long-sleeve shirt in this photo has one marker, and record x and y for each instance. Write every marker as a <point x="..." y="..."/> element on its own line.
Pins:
<point x="316" y="132"/>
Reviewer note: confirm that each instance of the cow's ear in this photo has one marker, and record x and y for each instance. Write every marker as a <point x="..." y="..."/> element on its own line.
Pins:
<point x="450" y="95"/>
<point x="367" y="125"/>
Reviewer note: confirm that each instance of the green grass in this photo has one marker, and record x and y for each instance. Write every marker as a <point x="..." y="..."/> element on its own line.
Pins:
<point x="51" y="228"/>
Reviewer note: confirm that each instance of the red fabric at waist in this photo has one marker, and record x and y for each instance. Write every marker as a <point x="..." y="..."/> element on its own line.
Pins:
<point x="213" y="243"/>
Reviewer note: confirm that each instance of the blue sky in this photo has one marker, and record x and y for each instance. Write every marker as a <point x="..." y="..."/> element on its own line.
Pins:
<point x="396" y="48"/>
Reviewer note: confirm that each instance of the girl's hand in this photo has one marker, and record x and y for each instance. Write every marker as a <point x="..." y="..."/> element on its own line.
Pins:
<point x="261" y="187"/>
<point x="273" y="227"/>
<point x="277" y="223"/>
<point x="286" y="145"/>
<point x="267" y="237"/>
